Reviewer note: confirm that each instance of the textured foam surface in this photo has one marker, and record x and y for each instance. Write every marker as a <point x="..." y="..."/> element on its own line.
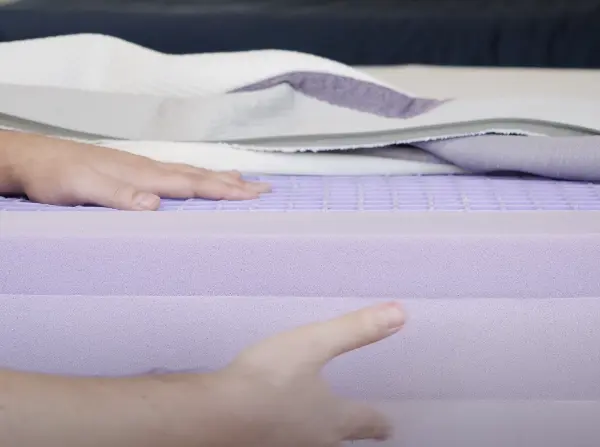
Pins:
<point x="424" y="193"/>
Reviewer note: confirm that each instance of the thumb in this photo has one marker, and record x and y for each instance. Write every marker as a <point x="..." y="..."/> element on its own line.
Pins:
<point x="110" y="192"/>
<point x="311" y="347"/>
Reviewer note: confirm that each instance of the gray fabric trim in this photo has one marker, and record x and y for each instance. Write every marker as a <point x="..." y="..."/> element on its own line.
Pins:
<point x="347" y="92"/>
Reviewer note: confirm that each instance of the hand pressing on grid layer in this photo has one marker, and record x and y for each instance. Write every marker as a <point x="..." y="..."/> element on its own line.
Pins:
<point x="61" y="172"/>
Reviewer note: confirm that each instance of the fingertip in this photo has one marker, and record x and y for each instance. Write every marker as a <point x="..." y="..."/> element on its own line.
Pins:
<point x="391" y="316"/>
<point x="144" y="201"/>
<point x="364" y="327"/>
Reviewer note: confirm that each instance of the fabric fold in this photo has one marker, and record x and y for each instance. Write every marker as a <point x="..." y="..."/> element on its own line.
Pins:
<point x="276" y="112"/>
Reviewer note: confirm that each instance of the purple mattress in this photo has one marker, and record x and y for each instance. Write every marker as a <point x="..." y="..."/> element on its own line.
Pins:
<point x="499" y="275"/>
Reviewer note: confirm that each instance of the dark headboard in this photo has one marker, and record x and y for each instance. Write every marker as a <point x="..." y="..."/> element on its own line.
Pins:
<point x="538" y="33"/>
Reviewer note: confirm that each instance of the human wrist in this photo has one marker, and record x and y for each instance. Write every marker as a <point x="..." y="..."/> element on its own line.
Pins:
<point x="212" y="410"/>
<point x="190" y="410"/>
<point x="166" y="410"/>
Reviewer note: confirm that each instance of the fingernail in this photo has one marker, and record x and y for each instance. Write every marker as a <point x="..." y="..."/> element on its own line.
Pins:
<point x="392" y="316"/>
<point x="146" y="201"/>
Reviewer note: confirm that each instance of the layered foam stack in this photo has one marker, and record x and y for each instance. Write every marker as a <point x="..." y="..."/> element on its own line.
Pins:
<point x="499" y="275"/>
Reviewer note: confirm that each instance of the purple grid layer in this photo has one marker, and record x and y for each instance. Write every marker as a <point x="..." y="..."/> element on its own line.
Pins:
<point x="396" y="193"/>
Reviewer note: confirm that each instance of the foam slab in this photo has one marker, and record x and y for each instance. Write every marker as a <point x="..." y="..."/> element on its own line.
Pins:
<point x="396" y="255"/>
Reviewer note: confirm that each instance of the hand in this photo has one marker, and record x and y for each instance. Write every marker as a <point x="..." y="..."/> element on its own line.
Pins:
<point x="278" y="399"/>
<point x="270" y="396"/>
<point x="61" y="172"/>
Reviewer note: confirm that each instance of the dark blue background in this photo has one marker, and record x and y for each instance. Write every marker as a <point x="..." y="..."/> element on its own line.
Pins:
<point x="540" y="33"/>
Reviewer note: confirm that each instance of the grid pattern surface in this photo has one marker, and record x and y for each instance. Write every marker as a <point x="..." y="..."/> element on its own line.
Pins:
<point x="377" y="193"/>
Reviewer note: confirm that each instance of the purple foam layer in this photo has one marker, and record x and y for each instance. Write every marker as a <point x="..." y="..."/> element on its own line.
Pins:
<point x="390" y="255"/>
<point x="450" y="349"/>
<point x="423" y="193"/>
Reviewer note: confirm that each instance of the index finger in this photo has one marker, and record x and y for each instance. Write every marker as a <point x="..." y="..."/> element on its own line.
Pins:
<point x="312" y="346"/>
